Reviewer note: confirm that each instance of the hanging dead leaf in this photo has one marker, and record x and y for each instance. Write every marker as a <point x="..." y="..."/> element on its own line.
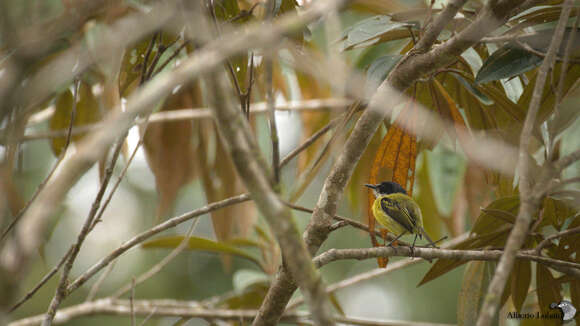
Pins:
<point x="220" y="181"/>
<point x="169" y="150"/>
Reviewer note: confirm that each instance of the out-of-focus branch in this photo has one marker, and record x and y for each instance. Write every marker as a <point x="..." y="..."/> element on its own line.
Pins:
<point x="72" y="254"/>
<point x="188" y="309"/>
<point x="140" y="102"/>
<point x="315" y="105"/>
<point x="409" y="69"/>
<point x="529" y="200"/>
<point x="149" y="233"/>
<point x="246" y="156"/>
<point x="58" y="72"/>
<point x="435" y="29"/>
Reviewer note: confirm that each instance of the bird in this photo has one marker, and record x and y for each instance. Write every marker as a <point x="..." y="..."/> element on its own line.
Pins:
<point x="568" y="310"/>
<point x="399" y="213"/>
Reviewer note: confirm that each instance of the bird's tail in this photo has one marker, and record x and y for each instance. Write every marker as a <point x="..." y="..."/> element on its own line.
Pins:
<point x="423" y="233"/>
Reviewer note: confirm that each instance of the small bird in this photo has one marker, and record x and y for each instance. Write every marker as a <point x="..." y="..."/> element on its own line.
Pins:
<point x="398" y="212"/>
<point x="568" y="310"/>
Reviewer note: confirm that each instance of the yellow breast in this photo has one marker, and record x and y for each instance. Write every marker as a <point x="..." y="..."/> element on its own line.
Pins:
<point x="385" y="219"/>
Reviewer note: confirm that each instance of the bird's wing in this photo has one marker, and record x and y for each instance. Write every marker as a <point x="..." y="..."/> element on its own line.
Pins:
<point x="401" y="216"/>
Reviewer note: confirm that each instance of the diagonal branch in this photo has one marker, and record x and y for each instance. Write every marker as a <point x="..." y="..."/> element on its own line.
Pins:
<point x="529" y="201"/>
<point x="143" y="101"/>
<point x="235" y="130"/>
<point x="409" y="69"/>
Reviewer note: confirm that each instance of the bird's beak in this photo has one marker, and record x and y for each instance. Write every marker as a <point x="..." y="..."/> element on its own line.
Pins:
<point x="371" y="186"/>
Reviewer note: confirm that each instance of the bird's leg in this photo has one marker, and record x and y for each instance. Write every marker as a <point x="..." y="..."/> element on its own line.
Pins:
<point x="394" y="240"/>
<point x="412" y="248"/>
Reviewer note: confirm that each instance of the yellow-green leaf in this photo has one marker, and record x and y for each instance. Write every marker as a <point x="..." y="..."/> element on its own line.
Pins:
<point x="549" y="292"/>
<point x="87" y="112"/>
<point x="497" y="214"/>
<point x="473" y="289"/>
<point x="520" y="282"/>
<point x="200" y="244"/>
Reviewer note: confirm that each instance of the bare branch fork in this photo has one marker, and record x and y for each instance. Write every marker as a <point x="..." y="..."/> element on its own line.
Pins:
<point x="34" y="221"/>
<point x="530" y="196"/>
<point x="251" y="168"/>
<point x="422" y="60"/>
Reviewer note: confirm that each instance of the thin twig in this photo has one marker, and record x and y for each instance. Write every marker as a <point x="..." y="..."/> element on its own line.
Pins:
<point x="562" y="184"/>
<point x="529" y="200"/>
<point x="566" y="161"/>
<point x="68" y="136"/>
<point x="159" y="266"/>
<point x="149" y="233"/>
<point x="345" y="220"/>
<point x="99" y="216"/>
<point x="272" y="120"/>
<point x="146" y="58"/>
<point x="95" y="288"/>
<point x="321" y="132"/>
<point x="41" y="283"/>
<point x="228" y="63"/>
<point x="160" y="51"/>
<point x="547" y="242"/>
<point x="61" y="291"/>
<point x="131" y="298"/>
<point x="410" y="68"/>
<point x="173" y="56"/>
<point x="314" y="105"/>
<point x="153" y="311"/>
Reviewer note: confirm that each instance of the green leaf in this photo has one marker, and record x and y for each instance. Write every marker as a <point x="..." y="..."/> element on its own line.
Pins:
<point x="243" y="242"/>
<point x="549" y="291"/>
<point x="245" y="278"/>
<point x="473" y="90"/>
<point x="556" y="212"/>
<point x="473" y="289"/>
<point x="497" y="214"/>
<point x="250" y="298"/>
<point x="378" y="71"/>
<point x="507" y="62"/>
<point x="335" y="303"/>
<point x="226" y="9"/>
<point x="87" y="112"/>
<point x="370" y="30"/>
<point x="200" y="244"/>
<point x="520" y="282"/>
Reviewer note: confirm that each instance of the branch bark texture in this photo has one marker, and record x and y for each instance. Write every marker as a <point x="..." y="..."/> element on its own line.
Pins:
<point x="529" y="198"/>
<point x="414" y="65"/>
<point x="252" y="169"/>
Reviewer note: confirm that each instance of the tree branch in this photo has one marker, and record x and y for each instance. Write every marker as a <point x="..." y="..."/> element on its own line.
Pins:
<point x="529" y="201"/>
<point x="235" y="130"/>
<point x="436" y="253"/>
<point x="142" y="101"/>
<point x="187" y="309"/>
<point x="410" y="68"/>
<point x="315" y="105"/>
<point x="149" y="233"/>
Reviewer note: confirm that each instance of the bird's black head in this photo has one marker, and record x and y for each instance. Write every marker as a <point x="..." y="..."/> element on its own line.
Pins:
<point x="386" y="188"/>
